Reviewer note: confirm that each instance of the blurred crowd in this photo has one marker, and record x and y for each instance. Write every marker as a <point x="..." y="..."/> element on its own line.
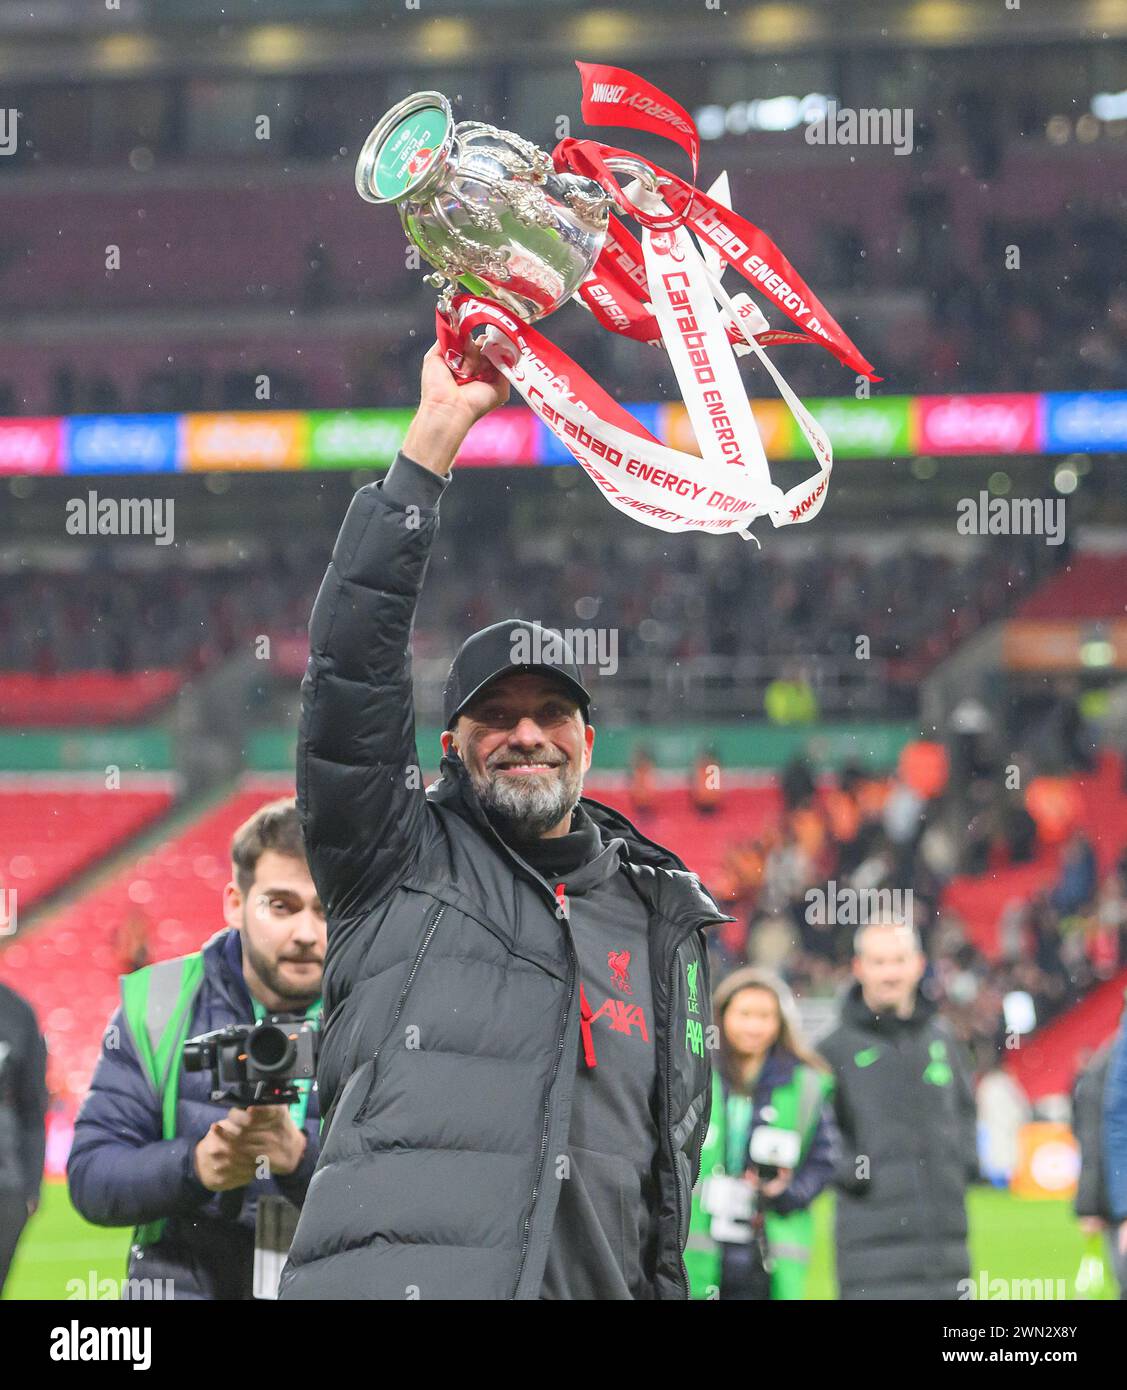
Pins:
<point x="788" y="614"/>
<point x="857" y="832"/>
<point x="170" y="617"/>
<point x="1057" y="321"/>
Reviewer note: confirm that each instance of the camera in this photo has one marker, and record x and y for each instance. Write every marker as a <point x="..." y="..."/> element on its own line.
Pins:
<point x="256" y="1063"/>
<point x="771" y="1149"/>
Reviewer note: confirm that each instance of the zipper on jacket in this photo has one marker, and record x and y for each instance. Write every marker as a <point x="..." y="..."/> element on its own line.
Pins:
<point x="434" y="921"/>
<point x="572" y="966"/>
<point x="669" y="1118"/>
<point x="572" y="971"/>
<point x="669" y="1108"/>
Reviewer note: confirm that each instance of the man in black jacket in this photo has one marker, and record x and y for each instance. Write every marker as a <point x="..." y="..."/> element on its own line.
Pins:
<point x="906" y="1113"/>
<point x="23" y="1112"/>
<point x="514" y="1068"/>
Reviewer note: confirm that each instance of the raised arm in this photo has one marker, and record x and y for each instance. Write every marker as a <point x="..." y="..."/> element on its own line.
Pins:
<point x="360" y="791"/>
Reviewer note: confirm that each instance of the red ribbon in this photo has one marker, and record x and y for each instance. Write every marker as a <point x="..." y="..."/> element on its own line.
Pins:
<point x="612" y="290"/>
<point x="452" y="337"/>
<point x="585" y="1017"/>
<point x="615" y="96"/>
<point x="616" y="288"/>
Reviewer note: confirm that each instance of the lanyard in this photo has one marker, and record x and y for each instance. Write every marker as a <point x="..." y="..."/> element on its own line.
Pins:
<point x="304" y="1084"/>
<point x="738" y="1127"/>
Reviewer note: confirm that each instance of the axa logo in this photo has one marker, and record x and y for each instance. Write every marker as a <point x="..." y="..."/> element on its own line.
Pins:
<point x="624" y="1018"/>
<point x="619" y="962"/>
<point x="807" y="502"/>
<point x="694" y="1036"/>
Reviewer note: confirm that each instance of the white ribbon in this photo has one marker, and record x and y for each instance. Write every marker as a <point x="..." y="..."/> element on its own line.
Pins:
<point x="729" y="485"/>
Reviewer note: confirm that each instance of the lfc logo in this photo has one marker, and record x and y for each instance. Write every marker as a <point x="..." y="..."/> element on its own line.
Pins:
<point x="619" y="962"/>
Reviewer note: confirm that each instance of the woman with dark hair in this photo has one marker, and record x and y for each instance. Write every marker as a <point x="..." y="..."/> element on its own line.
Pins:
<point x="770" y="1149"/>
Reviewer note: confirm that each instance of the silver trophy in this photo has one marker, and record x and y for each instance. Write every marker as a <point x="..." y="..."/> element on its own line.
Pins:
<point x="484" y="206"/>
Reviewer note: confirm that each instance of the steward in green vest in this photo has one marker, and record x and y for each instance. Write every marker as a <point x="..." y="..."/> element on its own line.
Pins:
<point x="751" y="1229"/>
<point x="193" y="1176"/>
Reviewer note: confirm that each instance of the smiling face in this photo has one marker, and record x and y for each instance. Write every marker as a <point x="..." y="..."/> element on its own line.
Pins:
<point x="526" y="748"/>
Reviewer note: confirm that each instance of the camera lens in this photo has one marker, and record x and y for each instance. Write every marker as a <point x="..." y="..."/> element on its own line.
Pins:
<point x="269" y="1048"/>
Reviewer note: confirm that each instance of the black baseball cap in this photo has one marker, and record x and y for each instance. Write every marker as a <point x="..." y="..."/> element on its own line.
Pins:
<point x="489" y="654"/>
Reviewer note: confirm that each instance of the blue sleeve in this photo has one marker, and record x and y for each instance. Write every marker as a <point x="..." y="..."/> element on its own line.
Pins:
<point x="816" y="1170"/>
<point x="120" y="1171"/>
<point x="293" y="1186"/>
<point x="1115" y="1129"/>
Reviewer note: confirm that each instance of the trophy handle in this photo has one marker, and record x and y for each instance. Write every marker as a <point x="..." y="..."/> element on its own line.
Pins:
<point x="638" y="167"/>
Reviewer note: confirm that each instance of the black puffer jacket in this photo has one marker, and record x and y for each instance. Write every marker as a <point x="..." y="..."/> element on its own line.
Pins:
<point x="451" y="987"/>
<point x="906" y="1113"/>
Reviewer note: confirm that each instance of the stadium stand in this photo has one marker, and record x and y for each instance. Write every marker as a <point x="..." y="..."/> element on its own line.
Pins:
<point x="164" y="904"/>
<point x="82" y="698"/>
<point x="51" y="833"/>
<point x="1092" y="586"/>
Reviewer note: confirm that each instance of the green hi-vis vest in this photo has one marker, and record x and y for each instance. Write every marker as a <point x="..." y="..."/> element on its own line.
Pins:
<point x="798" y="1106"/>
<point x="157" y="1004"/>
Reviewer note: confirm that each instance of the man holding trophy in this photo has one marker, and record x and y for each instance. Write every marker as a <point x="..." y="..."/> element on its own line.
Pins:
<point x="508" y="1115"/>
<point x="514" y="1069"/>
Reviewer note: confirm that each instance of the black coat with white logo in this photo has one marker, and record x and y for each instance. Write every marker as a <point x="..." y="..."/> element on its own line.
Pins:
<point x="451" y="985"/>
<point x="906" y="1112"/>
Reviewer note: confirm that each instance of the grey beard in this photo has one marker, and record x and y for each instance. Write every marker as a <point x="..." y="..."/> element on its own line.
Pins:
<point x="527" y="810"/>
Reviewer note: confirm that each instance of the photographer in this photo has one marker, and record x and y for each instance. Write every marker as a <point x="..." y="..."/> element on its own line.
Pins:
<point x="752" y="1230"/>
<point x="181" y="1167"/>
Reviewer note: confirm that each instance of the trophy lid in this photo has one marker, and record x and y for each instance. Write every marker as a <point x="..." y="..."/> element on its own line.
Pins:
<point x="406" y="150"/>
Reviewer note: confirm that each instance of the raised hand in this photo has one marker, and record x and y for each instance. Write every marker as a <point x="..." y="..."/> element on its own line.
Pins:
<point x="448" y="408"/>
